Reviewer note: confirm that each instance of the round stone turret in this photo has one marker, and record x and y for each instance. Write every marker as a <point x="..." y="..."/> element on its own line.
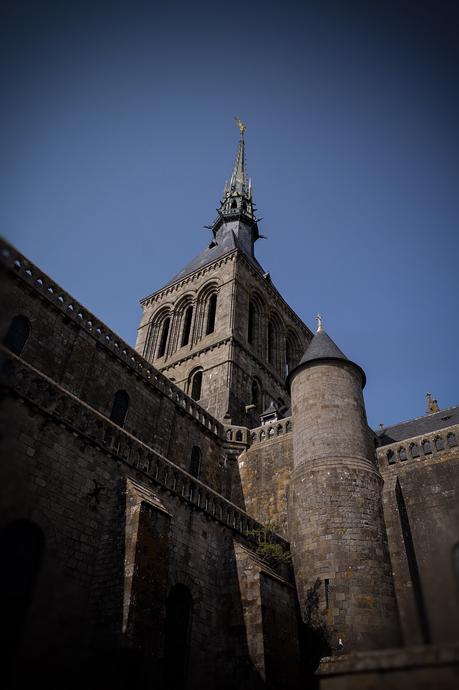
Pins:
<point x="336" y="523"/>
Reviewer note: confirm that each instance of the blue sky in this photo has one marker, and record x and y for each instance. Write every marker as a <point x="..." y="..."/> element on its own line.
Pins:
<point x="117" y="137"/>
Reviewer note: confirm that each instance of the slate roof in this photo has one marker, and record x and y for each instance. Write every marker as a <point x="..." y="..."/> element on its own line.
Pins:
<point x="224" y="243"/>
<point x="322" y="347"/>
<point x="419" y="426"/>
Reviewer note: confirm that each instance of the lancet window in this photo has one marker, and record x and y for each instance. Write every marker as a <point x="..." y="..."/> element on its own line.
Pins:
<point x="195" y="384"/>
<point x="211" y="313"/>
<point x="186" y="331"/>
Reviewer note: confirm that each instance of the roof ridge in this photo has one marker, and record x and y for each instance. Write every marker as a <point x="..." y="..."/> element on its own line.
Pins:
<point x="423" y="416"/>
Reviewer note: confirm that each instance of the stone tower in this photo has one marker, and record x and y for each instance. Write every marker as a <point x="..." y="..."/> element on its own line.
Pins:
<point x="335" y="513"/>
<point x="219" y="328"/>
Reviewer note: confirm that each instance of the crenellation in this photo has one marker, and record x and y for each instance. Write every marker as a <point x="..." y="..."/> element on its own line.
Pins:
<point x="423" y="447"/>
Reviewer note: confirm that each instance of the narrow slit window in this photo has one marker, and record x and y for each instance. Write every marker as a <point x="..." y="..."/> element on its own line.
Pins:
<point x="119" y="408"/>
<point x="195" y="462"/>
<point x="327" y="592"/>
<point x="256" y="395"/>
<point x="187" y="326"/>
<point x="270" y="343"/>
<point x="196" y="385"/>
<point x="211" y="313"/>
<point x="251" y="324"/>
<point x="164" y="337"/>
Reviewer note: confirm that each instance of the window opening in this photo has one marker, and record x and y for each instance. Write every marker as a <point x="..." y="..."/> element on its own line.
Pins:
<point x="251" y="325"/>
<point x="119" y="408"/>
<point x="211" y="314"/>
<point x="187" y="326"/>
<point x="164" y="336"/>
<point x="270" y="343"/>
<point x="17" y="334"/>
<point x="195" y="463"/>
<point x="256" y="395"/>
<point x="196" y="385"/>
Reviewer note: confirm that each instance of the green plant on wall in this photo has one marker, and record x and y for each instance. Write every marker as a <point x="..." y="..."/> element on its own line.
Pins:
<point x="269" y="551"/>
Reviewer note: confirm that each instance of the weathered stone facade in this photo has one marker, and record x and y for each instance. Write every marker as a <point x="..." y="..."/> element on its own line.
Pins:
<point x="161" y="528"/>
<point x="229" y="362"/>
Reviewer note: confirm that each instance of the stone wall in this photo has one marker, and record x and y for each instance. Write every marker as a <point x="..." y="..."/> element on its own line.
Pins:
<point x="265" y="470"/>
<point x="76" y="350"/>
<point x="122" y="525"/>
<point x="421" y="510"/>
<point x="417" y="668"/>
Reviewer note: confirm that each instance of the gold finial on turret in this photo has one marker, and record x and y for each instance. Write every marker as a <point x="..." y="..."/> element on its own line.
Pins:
<point x="319" y="324"/>
<point x="432" y="405"/>
<point x="241" y="126"/>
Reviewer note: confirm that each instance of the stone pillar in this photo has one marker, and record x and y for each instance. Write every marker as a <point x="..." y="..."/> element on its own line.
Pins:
<point x="336" y="523"/>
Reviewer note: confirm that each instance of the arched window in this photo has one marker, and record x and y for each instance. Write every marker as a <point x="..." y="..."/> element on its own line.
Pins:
<point x="251" y="324"/>
<point x="390" y="457"/>
<point x="426" y="447"/>
<point x="164" y="336"/>
<point x="17" y="334"/>
<point x="22" y="545"/>
<point x="195" y="384"/>
<point x="292" y="350"/>
<point x="439" y="443"/>
<point x="288" y="355"/>
<point x="270" y="342"/>
<point x="187" y="325"/>
<point x="211" y="313"/>
<point x="195" y="462"/>
<point x="414" y="450"/>
<point x="119" y="407"/>
<point x="179" y="611"/>
<point x="402" y="453"/>
<point x="256" y="395"/>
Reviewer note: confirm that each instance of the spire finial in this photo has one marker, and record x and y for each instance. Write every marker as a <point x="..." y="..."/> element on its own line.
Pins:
<point x="241" y="126"/>
<point x="319" y="324"/>
<point x="432" y="404"/>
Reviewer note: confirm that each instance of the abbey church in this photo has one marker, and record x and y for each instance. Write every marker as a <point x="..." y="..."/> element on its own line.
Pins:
<point x="211" y="510"/>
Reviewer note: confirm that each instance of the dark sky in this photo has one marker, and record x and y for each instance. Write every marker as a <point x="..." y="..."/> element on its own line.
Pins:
<point x="117" y="137"/>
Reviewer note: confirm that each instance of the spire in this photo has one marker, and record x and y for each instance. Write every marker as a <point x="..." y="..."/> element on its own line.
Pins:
<point x="237" y="195"/>
<point x="238" y="184"/>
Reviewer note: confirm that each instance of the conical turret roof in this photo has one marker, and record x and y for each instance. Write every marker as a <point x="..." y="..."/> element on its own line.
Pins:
<point x="322" y="349"/>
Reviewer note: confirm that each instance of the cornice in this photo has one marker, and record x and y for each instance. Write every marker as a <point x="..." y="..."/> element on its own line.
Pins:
<point x="229" y="340"/>
<point x="46" y="289"/>
<point x="276" y="295"/>
<point x="190" y="278"/>
<point x="82" y="420"/>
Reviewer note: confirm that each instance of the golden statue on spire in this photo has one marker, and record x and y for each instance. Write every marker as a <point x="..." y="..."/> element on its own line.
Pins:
<point x="241" y="126"/>
<point x="432" y="404"/>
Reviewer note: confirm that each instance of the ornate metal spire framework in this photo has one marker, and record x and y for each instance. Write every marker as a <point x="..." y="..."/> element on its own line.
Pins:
<point x="237" y="195"/>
